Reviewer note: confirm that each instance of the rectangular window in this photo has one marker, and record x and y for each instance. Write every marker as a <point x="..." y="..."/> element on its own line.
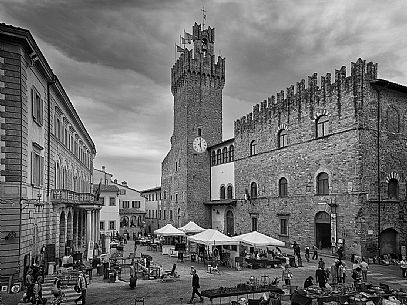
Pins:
<point x="102" y="226"/>
<point x="112" y="225"/>
<point x="165" y="214"/>
<point x="112" y="201"/>
<point x="135" y="204"/>
<point x="126" y="204"/>
<point x="37" y="107"/>
<point x="37" y="168"/>
<point x="254" y="223"/>
<point x="122" y="192"/>
<point x="176" y="198"/>
<point x="199" y="132"/>
<point x="171" y="215"/>
<point x="284" y="226"/>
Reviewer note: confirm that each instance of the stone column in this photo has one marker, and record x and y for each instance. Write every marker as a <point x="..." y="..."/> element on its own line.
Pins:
<point x="98" y="226"/>
<point x="88" y="226"/>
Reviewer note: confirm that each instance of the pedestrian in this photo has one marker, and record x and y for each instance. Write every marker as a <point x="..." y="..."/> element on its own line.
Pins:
<point x="315" y="249"/>
<point x="133" y="277"/>
<point x="357" y="275"/>
<point x="403" y="266"/>
<point x="287" y="275"/>
<point x="320" y="277"/>
<point x="82" y="288"/>
<point x="309" y="282"/>
<point x="195" y="286"/>
<point x="37" y="291"/>
<point x="321" y="264"/>
<point x="340" y="252"/>
<point x="57" y="291"/>
<point x="341" y="272"/>
<point x="355" y="265"/>
<point x="364" y="266"/>
<point x="29" y="284"/>
<point x="307" y="254"/>
<point x="297" y="253"/>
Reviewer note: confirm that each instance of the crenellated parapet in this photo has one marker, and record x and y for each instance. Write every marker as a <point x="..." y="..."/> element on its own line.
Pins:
<point x="206" y="67"/>
<point x="306" y="98"/>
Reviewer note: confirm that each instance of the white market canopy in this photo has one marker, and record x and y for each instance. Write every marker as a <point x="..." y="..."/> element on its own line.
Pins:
<point x="211" y="237"/>
<point x="169" y="230"/>
<point x="257" y="239"/>
<point x="191" y="227"/>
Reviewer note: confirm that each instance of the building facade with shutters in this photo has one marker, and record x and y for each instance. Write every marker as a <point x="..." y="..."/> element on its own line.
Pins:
<point x="322" y="163"/>
<point x="153" y="208"/>
<point x="47" y="208"/>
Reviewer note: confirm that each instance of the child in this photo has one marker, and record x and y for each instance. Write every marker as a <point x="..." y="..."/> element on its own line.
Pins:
<point x="287" y="275"/>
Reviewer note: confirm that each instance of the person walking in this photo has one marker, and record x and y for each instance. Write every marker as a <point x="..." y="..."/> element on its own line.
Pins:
<point x="340" y="253"/>
<point x="342" y="272"/>
<point x="37" y="291"/>
<point x="195" y="286"/>
<point x="287" y="275"/>
<point x="364" y="266"/>
<point x="334" y="273"/>
<point x="403" y="266"/>
<point x="29" y="283"/>
<point x="315" y="249"/>
<point x="321" y="264"/>
<point x="82" y="287"/>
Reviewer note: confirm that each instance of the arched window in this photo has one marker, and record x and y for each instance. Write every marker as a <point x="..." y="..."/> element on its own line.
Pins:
<point x="393" y="189"/>
<point x="225" y="155"/>
<point x="222" y="192"/>
<point x="282" y="187"/>
<point x="231" y="153"/>
<point x="253" y="190"/>
<point x="218" y="156"/>
<point x="230" y="192"/>
<point x="282" y="138"/>
<point x="230" y="223"/>
<point x="213" y="158"/>
<point x="393" y="121"/>
<point x="322" y="126"/>
<point x="322" y="184"/>
<point x="253" y="148"/>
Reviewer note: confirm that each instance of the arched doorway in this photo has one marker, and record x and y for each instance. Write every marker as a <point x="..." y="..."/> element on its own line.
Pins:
<point x="322" y="230"/>
<point x="230" y="223"/>
<point x="62" y="234"/>
<point x="389" y="242"/>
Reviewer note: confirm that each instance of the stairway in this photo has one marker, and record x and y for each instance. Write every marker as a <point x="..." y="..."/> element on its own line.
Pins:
<point x="70" y="294"/>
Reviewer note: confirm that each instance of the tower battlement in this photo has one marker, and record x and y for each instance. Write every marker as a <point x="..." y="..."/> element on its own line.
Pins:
<point x="307" y="98"/>
<point x="199" y="61"/>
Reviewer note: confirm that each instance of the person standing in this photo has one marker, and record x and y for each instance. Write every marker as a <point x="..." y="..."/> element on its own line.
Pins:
<point x="320" y="277"/>
<point x="37" y="291"/>
<point x="287" y="275"/>
<point x="82" y="286"/>
<point x="334" y="273"/>
<point x="29" y="283"/>
<point x="321" y="264"/>
<point x="195" y="286"/>
<point x="315" y="249"/>
<point x="341" y="272"/>
<point x="307" y="254"/>
<point x="364" y="266"/>
<point x="340" y="253"/>
<point x="403" y="266"/>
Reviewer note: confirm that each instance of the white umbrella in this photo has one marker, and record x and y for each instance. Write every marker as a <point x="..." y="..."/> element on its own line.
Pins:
<point x="191" y="227"/>
<point x="211" y="237"/>
<point x="169" y="230"/>
<point x="257" y="239"/>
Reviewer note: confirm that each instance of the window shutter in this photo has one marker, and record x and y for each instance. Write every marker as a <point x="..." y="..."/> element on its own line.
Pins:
<point x="33" y="108"/>
<point x="41" y="110"/>
<point x="41" y="182"/>
<point x="32" y="168"/>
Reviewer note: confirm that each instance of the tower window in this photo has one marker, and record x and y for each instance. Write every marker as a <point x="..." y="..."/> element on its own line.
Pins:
<point x="282" y="138"/>
<point x="393" y="189"/>
<point x="253" y="190"/>
<point x="199" y="132"/>
<point x="222" y="192"/>
<point x="213" y="157"/>
<point x="218" y="156"/>
<point x="322" y="126"/>
<point x="322" y="184"/>
<point x="225" y="155"/>
<point x="231" y="153"/>
<point x="253" y="148"/>
<point x="230" y="192"/>
<point x="282" y="187"/>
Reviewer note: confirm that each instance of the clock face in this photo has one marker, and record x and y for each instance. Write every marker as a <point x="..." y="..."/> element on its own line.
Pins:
<point x="200" y="145"/>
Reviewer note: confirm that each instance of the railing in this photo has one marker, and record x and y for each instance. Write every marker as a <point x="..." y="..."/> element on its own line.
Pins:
<point x="68" y="196"/>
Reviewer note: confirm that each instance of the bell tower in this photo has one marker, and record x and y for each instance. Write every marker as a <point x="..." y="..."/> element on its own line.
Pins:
<point x="197" y="81"/>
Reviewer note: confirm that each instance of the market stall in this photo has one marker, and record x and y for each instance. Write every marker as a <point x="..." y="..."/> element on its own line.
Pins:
<point x="261" y="241"/>
<point x="171" y="236"/>
<point x="214" y="246"/>
<point x="191" y="228"/>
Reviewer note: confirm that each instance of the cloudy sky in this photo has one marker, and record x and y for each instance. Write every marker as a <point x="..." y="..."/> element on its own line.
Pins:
<point x="114" y="57"/>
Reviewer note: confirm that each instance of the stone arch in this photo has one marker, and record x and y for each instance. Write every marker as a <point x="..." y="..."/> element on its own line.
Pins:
<point x="230" y="223"/>
<point x="389" y="241"/>
<point x="322" y="230"/>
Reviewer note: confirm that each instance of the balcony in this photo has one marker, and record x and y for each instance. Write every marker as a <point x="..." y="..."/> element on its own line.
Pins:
<point x="68" y="196"/>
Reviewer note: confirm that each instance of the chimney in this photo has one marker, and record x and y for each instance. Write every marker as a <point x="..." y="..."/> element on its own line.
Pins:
<point x="103" y="168"/>
<point x="115" y="181"/>
<point x="124" y="183"/>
